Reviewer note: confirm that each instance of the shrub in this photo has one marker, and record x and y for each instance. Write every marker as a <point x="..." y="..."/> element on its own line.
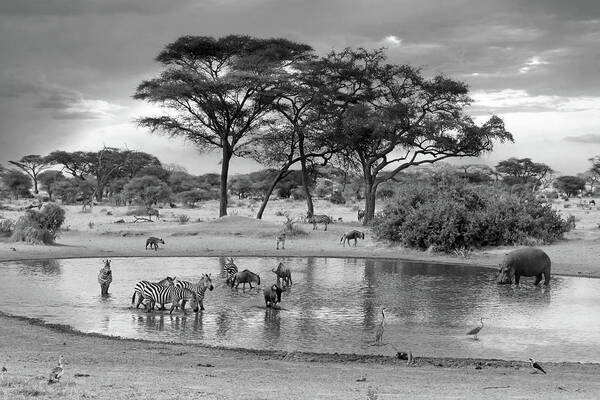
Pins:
<point x="39" y="226"/>
<point x="459" y="216"/>
<point x="183" y="218"/>
<point x="6" y="226"/>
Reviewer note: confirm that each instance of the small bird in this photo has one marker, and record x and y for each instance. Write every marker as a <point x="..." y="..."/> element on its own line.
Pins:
<point x="536" y="367"/>
<point x="4" y="369"/>
<point x="380" y="328"/>
<point x="476" y="330"/>
<point x="57" y="371"/>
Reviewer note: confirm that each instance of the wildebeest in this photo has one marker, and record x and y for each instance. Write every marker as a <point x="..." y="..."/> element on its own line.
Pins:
<point x="283" y="273"/>
<point x="153" y="242"/>
<point x="346" y="237"/>
<point x="272" y="295"/>
<point x="361" y="215"/>
<point x="243" y="277"/>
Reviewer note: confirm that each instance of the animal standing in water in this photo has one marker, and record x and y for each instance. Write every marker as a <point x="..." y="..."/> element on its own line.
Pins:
<point x="105" y="277"/>
<point x="57" y="371"/>
<point x="283" y="273"/>
<point x="346" y="237"/>
<point x="524" y="262"/>
<point x="153" y="242"/>
<point x="245" y="276"/>
<point x="272" y="296"/>
<point x="230" y="269"/>
<point x="138" y="291"/>
<point x="380" y="329"/>
<point x="476" y="330"/>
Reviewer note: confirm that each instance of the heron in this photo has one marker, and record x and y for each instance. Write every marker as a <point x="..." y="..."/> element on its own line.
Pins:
<point x="57" y="371"/>
<point x="536" y="367"/>
<point x="476" y="330"/>
<point x="380" y="328"/>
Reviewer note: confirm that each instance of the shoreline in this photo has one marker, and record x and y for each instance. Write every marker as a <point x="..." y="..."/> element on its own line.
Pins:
<point x="447" y="362"/>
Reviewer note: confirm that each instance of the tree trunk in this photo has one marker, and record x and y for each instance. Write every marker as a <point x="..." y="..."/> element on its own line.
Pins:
<point x="35" y="186"/>
<point x="369" y="204"/>
<point x="224" y="177"/>
<point x="305" y="179"/>
<point x="270" y="191"/>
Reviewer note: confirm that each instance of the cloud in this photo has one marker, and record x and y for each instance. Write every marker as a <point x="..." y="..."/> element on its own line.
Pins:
<point x="519" y="100"/>
<point x="82" y="7"/>
<point x="588" y="138"/>
<point x="63" y="103"/>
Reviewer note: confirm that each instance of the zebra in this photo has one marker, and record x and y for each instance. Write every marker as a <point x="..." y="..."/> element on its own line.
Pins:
<point x="230" y="269"/>
<point x="320" y="219"/>
<point x="197" y="289"/>
<point x="152" y="211"/>
<point x="105" y="277"/>
<point x="181" y="291"/>
<point x="139" y="289"/>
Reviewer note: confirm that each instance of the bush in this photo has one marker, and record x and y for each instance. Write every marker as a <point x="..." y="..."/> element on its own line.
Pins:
<point x="460" y="216"/>
<point x="183" y="218"/>
<point x="6" y="227"/>
<point x="39" y="226"/>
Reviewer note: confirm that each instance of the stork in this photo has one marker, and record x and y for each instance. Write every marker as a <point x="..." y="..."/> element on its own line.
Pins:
<point x="536" y="367"/>
<point x="476" y="330"/>
<point x="57" y="371"/>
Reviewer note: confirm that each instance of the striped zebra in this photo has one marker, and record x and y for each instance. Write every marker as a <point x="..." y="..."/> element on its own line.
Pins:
<point x="105" y="277"/>
<point x="197" y="289"/>
<point x="230" y="269"/>
<point x="181" y="291"/>
<point x="320" y="219"/>
<point x="139" y="289"/>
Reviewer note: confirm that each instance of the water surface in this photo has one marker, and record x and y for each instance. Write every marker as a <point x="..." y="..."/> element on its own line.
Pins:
<point x="333" y="306"/>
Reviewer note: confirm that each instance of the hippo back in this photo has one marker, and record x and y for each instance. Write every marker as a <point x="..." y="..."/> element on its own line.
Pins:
<point x="528" y="261"/>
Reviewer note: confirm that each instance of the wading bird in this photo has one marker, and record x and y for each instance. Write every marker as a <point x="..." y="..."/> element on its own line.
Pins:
<point x="380" y="328"/>
<point x="536" y="367"/>
<point x="476" y="330"/>
<point x="57" y="371"/>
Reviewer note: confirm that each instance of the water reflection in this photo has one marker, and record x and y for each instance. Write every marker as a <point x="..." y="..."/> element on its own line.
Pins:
<point x="39" y="267"/>
<point x="333" y="306"/>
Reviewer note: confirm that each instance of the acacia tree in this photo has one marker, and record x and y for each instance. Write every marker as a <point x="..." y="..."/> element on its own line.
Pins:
<point x="570" y="185"/>
<point x="524" y="171"/>
<point x="396" y="119"/>
<point x="217" y="92"/>
<point x="49" y="180"/>
<point x="32" y="165"/>
<point x="78" y="163"/>
<point x="17" y="183"/>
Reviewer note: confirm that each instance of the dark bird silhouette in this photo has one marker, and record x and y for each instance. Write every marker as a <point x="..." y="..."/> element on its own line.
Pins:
<point x="476" y="330"/>
<point x="57" y="371"/>
<point x="4" y="369"/>
<point x="536" y="367"/>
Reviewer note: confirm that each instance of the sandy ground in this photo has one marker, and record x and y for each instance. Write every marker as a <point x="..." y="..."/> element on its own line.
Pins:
<point x="99" y="367"/>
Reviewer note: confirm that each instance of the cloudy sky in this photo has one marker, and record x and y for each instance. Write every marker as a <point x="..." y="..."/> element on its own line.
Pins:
<point x="68" y="68"/>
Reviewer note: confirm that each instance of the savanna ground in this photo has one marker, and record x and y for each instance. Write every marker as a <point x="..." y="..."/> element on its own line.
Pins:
<point x="101" y="367"/>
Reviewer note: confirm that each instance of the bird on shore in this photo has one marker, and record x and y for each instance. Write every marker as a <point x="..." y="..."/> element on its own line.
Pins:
<point x="4" y="369"/>
<point x="476" y="330"/>
<point x="536" y="367"/>
<point x="410" y="359"/>
<point x="380" y="328"/>
<point x="57" y="371"/>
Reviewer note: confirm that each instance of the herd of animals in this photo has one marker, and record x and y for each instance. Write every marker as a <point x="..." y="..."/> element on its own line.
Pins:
<point x="522" y="262"/>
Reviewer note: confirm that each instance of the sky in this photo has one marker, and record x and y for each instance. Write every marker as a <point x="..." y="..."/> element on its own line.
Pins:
<point x="69" y="68"/>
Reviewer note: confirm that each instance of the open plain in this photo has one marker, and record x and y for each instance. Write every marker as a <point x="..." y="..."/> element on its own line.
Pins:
<point x="105" y="367"/>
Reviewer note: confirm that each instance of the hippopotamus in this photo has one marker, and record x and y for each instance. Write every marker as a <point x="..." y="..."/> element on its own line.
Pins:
<point x="524" y="262"/>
